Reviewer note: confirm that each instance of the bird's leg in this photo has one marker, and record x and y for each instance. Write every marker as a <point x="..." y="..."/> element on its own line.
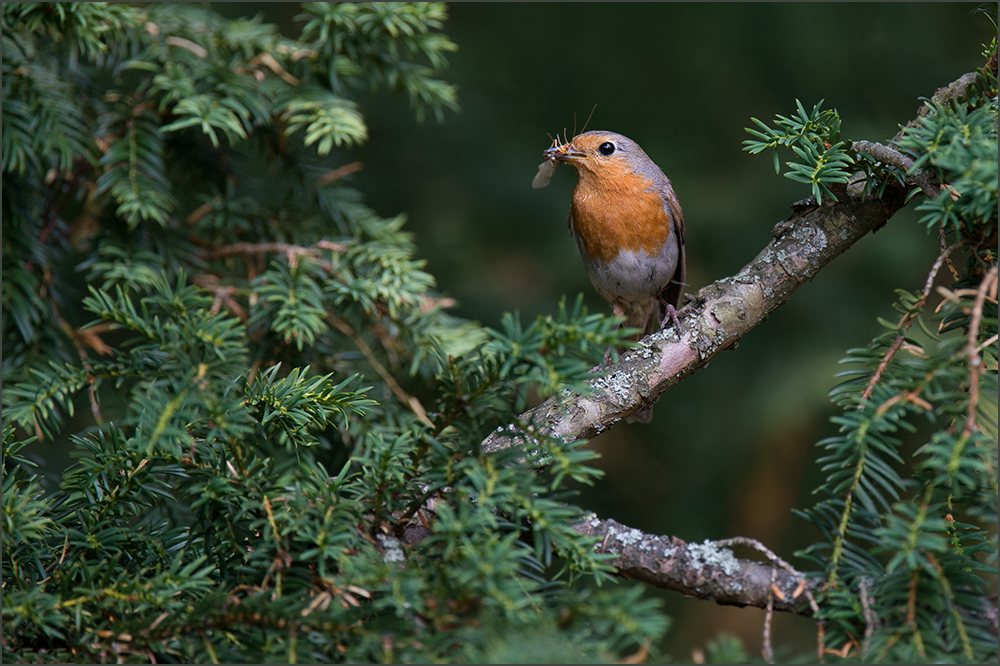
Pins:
<point x="607" y="357"/>
<point x="670" y="316"/>
<point x="618" y="311"/>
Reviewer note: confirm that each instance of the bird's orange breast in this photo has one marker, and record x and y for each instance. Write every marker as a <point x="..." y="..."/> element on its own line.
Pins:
<point x="618" y="211"/>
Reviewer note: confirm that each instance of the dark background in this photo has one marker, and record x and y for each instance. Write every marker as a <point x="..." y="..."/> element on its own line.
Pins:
<point x="731" y="450"/>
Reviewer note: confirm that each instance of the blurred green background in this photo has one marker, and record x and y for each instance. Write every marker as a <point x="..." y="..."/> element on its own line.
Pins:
<point x="731" y="450"/>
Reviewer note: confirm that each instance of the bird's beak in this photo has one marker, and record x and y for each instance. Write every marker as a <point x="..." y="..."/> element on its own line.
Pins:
<point x="564" y="153"/>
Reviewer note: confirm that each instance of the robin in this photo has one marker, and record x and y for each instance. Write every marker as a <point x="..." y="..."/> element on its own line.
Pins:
<point x="629" y="227"/>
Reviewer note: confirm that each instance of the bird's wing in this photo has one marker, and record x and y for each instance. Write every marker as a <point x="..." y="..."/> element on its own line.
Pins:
<point x="673" y="291"/>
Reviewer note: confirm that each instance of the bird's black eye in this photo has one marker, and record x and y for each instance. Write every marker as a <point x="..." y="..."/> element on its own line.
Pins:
<point x="606" y="148"/>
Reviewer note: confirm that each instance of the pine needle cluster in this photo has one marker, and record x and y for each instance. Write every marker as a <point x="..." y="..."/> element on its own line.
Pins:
<point x="908" y="510"/>
<point x="275" y="423"/>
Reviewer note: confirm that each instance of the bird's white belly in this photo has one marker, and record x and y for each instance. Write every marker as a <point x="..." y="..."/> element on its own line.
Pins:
<point x="634" y="275"/>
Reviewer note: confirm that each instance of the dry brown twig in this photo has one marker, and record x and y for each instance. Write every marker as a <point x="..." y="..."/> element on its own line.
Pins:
<point x="291" y="251"/>
<point x="987" y="290"/>
<point x="405" y="398"/>
<point x="906" y="322"/>
<point x="766" y="650"/>
<point x="866" y="608"/>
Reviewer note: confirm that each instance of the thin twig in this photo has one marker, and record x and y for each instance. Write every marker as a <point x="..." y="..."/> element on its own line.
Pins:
<point x="223" y="295"/>
<point x="893" y="157"/>
<point x="411" y="402"/>
<point x="758" y="546"/>
<point x="943" y="238"/>
<point x="883" y="364"/>
<point x="288" y="249"/>
<point x="339" y="173"/>
<point x="866" y="609"/>
<point x="803" y="585"/>
<point x="95" y="406"/>
<point x="987" y="342"/>
<point x="989" y="284"/>
<point x="911" y="611"/>
<point x="954" y="90"/>
<point x="820" y="638"/>
<point x="765" y="648"/>
<point x="906" y="322"/>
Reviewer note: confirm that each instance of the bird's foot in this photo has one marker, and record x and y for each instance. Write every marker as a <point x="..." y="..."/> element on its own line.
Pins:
<point x="607" y="357"/>
<point x="671" y="316"/>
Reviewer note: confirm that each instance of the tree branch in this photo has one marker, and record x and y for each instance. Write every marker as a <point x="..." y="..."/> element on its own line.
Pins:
<point x="706" y="570"/>
<point x="953" y="91"/>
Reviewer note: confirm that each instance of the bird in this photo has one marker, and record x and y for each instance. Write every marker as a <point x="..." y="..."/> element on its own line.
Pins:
<point x="629" y="227"/>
